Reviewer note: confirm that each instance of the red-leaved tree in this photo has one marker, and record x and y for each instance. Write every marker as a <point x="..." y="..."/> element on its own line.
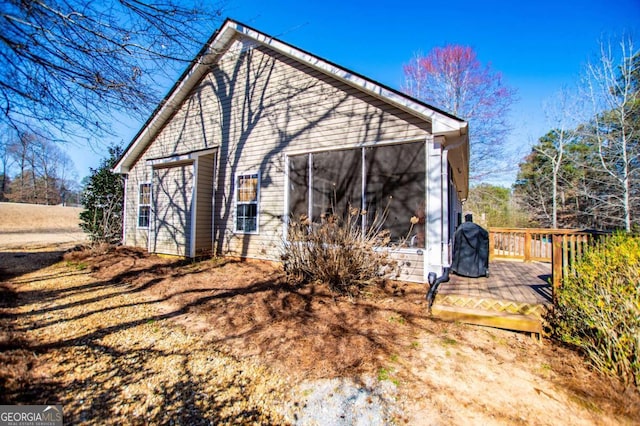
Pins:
<point x="453" y="79"/>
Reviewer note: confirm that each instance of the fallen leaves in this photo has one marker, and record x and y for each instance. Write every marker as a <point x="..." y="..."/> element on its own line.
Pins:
<point x="107" y="354"/>
<point x="130" y="338"/>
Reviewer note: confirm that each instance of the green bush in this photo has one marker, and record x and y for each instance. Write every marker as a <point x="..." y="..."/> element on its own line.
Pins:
<point x="598" y="308"/>
<point x="103" y="202"/>
<point x="338" y="252"/>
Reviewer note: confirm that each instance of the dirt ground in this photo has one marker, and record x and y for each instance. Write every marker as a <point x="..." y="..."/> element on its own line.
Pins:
<point x="35" y="240"/>
<point x="28" y="218"/>
<point x="34" y="225"/>
<point x="122" y="336"/>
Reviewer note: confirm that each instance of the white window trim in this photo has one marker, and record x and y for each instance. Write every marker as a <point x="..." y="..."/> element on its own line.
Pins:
<point x="235" y="196"/>
<point x="142" y="205"/>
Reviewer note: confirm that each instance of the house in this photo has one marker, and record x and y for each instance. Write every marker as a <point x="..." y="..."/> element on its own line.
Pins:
<point x="257" y="131"/>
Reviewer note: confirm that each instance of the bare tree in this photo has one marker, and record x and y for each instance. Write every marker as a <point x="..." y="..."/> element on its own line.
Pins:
<point x="612" y="87"/>
<point x="66" y="178"/>
<point x="5" y="164"/>
<point x="68" y="65"/>
<point x="19" y="150"/>
<point x="42" y="169"/>
<point x="562" y="114"/>
<point x="453" y="79"/>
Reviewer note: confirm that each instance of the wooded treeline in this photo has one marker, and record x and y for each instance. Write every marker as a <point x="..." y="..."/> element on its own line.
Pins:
<point x="585" y="171"/>
<point x="35" y="170"/>
<point x="588" y="175"/>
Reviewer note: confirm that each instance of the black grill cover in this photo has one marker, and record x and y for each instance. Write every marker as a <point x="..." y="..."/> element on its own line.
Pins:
<point x="471" y="251"/>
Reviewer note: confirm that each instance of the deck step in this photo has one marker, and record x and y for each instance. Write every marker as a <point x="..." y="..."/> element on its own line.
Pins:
<point x="492" y="305"/>
<point x="503" y="320"/>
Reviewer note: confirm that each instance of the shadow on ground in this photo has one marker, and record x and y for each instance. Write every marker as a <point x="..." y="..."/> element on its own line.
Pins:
<point x="16" y="263"/>
<point x="107" y="339"/>
<point x="86" y="336"/>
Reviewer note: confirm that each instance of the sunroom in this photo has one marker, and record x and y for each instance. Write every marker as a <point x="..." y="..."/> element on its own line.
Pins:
<point x="391" y="186"/>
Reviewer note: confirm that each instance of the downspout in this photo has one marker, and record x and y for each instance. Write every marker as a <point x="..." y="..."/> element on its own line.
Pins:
<point x="434" y="284"/>
<point x="433" y="280"/>
<point x="152" y="215"/>
<point x="429" y="141"/>
<point x="310" y="191"/>
<point x="285" y="207"/>
<point x="434" y="261"/>
<point x="213" y="200"/>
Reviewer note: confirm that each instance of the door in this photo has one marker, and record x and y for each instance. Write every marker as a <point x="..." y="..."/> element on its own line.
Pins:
<point x="172" y="209"/>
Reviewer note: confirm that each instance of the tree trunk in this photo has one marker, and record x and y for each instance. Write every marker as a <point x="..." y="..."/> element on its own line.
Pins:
<point x="554" y="214"/>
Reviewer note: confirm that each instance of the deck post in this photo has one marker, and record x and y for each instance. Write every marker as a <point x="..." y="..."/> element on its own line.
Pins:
<point x="527" y="246"/>
<point x="492" y="245"/>
<point x="556" y="265"/>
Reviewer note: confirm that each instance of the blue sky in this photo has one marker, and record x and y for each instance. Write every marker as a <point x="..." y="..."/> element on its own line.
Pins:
<point x="539" y="46"/>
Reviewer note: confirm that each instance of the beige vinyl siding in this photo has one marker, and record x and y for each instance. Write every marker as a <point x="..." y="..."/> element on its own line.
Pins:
<point x="256" y="107"/>
<point x="204" y="204"/>
<point x="172" y="204"/>
<point x="287" y="100"/>
<point x="411" y="264"/>
<point x="134" y="236"/>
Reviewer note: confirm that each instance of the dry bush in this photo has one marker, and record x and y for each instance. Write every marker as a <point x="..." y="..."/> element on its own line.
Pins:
<point x="90" y="249"/>
<point x="598" y="308"/>
<point x="338" y="252"/>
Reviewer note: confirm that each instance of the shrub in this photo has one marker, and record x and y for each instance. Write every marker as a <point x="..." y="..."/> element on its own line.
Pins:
<point x="338" y="252"/>
<point x="103" y="201"/>
<point x="598" y="309"/>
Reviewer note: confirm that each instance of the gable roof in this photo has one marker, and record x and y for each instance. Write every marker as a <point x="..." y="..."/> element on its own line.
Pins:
<point x="442" y="122"/>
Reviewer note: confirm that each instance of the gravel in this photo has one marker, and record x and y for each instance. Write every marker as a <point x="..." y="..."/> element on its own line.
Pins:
<point x="341" y="401"/>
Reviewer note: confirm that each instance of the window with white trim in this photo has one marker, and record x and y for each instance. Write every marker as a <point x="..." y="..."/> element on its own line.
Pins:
<point x="247" y="193"/>
<point x="144" y="205"/>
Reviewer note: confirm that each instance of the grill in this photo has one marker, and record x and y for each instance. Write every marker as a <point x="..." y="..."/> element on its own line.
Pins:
<point x="471" y="251"/>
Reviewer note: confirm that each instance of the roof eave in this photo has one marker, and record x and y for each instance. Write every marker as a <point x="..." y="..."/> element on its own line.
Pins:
<point x="457" y="144"/>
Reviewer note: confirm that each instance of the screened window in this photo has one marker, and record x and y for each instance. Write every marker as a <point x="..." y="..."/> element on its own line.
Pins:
<point x="337" y="183"/>
<point x="247" y="189"/>
<point x="299" y="186"/>
<point x="396" y="189"/>
<point x="144" y="205"/>
<point x="393" y="190"/>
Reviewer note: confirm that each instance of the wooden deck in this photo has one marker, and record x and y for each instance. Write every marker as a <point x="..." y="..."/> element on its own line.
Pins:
<point x="515" y="296"/>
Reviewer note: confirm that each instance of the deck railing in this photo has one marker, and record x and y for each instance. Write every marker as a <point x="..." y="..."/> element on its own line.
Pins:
<point x="560" y="247"/>
<point x="525" y="244"/>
